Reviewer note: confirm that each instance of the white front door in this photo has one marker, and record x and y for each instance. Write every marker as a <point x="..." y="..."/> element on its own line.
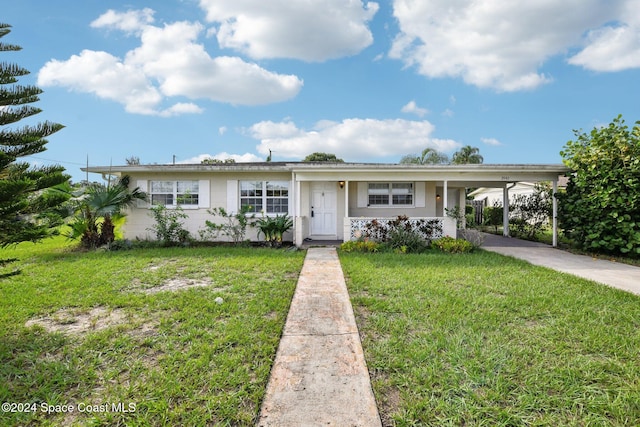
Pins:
<point x="324" y="198"/>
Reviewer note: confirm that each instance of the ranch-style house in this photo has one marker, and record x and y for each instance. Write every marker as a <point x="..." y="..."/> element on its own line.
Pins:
<point x="327" y="201"/>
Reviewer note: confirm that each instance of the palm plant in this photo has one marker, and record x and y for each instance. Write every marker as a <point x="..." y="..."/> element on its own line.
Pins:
<point x="429" y="156"/>
<point x="467" y="155"/>
<point x="274" y="228"/>
<point x="99" y="209"/>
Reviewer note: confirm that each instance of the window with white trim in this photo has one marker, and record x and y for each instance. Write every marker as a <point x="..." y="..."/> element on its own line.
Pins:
<point x="174" y="193"/>
<point x="390" y="193"/>
<point x="269" y="197"/>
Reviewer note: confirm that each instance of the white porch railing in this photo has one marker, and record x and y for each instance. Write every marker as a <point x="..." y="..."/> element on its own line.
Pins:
<point x="436" y="227"/>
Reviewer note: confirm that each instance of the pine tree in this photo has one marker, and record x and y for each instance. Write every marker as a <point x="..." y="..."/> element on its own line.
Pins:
<point x="28" y="202"/>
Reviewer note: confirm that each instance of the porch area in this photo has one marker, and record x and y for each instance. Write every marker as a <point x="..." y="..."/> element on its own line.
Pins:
<point x="348" y="210"/>
<point x="339" y="202"/>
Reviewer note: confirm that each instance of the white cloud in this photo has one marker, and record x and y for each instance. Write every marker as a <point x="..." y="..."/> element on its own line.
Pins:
<point x="502" y="45"/>
<point x="615" y="46"/>
<point x="413" y="108"/>
<point x="611" y="49"/>
<point x="491" y="141"/>
<point x="351" y="139"/>
<point x="222" y="130"/>
<point x="181" y="108"/>
<point x="105" y="76"/>
<point x="132" y="21"/>
<point x="168" y="63"/>
<point x="239" y="158"/>
<point x="307" y="30"/>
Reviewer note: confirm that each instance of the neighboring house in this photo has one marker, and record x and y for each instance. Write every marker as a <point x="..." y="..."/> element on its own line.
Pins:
<point x="328" y="201"/>
<point x="490" y="195"/>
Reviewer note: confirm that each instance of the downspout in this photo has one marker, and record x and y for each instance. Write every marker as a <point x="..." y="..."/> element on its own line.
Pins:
<point x="505" y="209"/>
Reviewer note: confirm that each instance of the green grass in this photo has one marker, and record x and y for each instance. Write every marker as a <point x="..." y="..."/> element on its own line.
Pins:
<point x="180" y="357"/>
<point x="484" y="340"/>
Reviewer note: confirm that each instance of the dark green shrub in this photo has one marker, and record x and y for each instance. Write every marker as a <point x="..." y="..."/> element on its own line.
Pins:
<point x="121" y="245"/>
<point x="493" y="215"/>
<point x="405" y="240"/>
<point x="470" y="220"/>
<point x="600" y="209"/>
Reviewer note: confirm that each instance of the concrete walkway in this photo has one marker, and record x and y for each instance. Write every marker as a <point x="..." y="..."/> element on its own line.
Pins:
<point x="621" y="276"/>
<point x="319" y="377"/>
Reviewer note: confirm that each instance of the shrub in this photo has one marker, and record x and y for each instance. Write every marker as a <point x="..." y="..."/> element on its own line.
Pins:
<point x="470" y="220"/>
<point x="234" y="227"/>
<point x="405" y="240"/>
<point x="169" y="228"/>
<point x="530" y="214"/>
<point x="126" y="244"/>
<point x="601" y="206"/>
<point x="455" y="213"/>
<point x="451" y="245"/>
<point x="493" y="215"/>
<point x="121" y="245"/>
<point x="273" y="228"/>
<point x="360" y="246"/>
<point x="402" y="231"/>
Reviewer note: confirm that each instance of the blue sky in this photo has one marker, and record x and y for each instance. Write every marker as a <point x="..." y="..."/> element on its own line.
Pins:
<point x="368" y="81"/>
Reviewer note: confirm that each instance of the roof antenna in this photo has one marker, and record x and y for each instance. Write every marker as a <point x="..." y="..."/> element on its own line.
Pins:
<point x="174" y="159"/>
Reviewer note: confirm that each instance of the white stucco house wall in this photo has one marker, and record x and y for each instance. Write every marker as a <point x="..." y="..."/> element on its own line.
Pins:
<point x="327" y="201"/>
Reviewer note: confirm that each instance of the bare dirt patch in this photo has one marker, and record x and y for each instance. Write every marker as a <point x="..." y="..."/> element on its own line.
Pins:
<point x="155" y="266"/>
<point x="77" y="321"/>
<point x="173" y="285"/>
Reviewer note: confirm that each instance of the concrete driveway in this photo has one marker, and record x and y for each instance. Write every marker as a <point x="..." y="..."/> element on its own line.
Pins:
<point x="621" y="276"/>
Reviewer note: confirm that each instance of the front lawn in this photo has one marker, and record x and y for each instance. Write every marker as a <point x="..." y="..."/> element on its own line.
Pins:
<point x="141" y="330"/>
<point x="482" y="339"/>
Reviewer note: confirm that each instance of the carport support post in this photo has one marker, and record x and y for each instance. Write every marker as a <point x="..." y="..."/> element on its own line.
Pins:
<point x="445" y="198"/>
<point x="555" y="213"/>
<point x="505" y="211"/>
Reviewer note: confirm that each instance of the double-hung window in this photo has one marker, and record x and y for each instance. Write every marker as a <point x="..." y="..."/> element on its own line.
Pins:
<point x="174" y="193"/>
<point x="269" y="197"/>
<point x="390" y="193"/>
<point x="252" y="195"/>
